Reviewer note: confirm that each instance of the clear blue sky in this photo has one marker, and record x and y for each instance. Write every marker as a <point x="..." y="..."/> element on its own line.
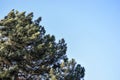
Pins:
<point x="90" y="27"/>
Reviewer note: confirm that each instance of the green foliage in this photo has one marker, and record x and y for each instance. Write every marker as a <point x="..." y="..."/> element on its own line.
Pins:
<point x="27" y="52"/>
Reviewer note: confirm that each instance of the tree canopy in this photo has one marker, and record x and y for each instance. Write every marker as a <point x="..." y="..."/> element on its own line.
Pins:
<point x="28" y="53"/>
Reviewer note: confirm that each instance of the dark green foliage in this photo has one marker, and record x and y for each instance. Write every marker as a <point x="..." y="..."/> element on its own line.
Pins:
<point x="27" y="52"/>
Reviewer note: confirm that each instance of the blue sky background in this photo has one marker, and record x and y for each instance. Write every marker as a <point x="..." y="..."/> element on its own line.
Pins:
<point x="91" y="29"/>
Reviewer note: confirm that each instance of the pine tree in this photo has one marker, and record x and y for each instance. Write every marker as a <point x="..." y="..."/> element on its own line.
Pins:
<point x="28" y="53"/>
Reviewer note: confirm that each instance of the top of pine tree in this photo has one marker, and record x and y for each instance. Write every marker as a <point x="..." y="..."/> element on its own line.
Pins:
<point x="28" y="53"/>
